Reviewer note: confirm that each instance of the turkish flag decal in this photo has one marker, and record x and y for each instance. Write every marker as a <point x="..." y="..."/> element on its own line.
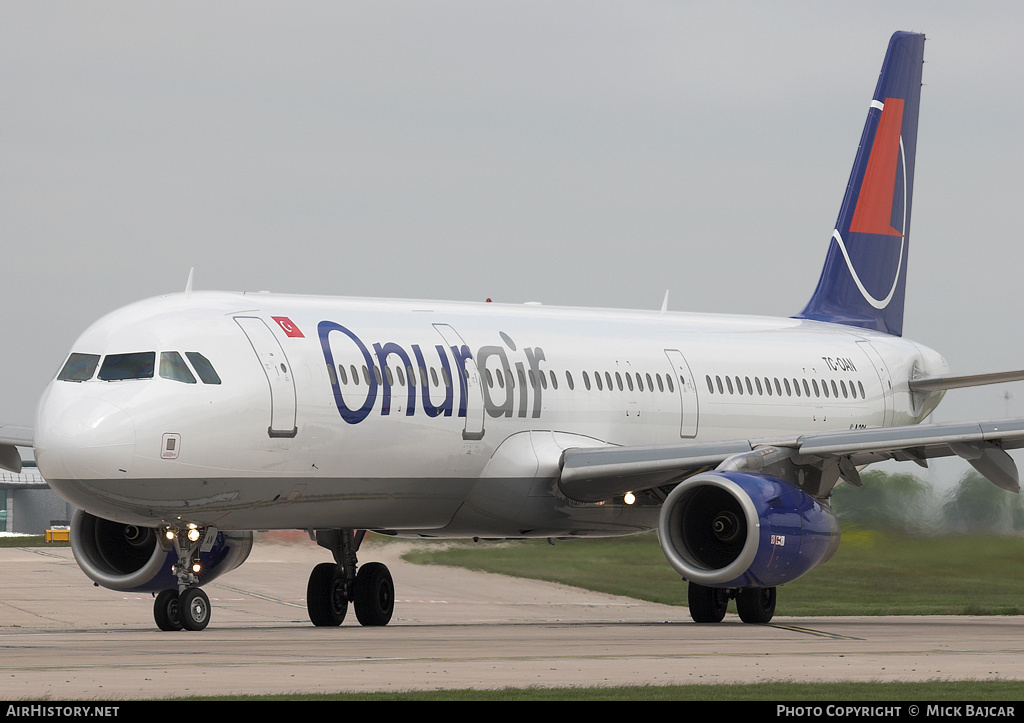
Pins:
<point x="289" y="328"/>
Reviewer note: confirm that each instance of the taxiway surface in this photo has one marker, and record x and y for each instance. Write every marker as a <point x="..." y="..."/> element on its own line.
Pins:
<point x="64" y="639"/>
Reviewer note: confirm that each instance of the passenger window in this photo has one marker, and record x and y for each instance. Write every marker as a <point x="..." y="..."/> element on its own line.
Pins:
<point x="120" y="367"/>
<point x="203" y="368"/>
<point x="332" y="375"/>
<point x="668" y="381"/>
<point x="569" y="381"/>
<point x="173" y="367"/>
<point x="341" y="372"/>
<point x="79" y="367"/>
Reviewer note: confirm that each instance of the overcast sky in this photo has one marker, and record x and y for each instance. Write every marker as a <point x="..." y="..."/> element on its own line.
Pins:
<point x="573" y="153"/>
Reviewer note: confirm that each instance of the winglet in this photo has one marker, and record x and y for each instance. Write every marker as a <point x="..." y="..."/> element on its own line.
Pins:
<point x="864" y="278"/>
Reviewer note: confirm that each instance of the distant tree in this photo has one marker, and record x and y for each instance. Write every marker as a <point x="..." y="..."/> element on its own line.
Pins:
<point x="976" y="505"/>
<point x="900" y="503"/>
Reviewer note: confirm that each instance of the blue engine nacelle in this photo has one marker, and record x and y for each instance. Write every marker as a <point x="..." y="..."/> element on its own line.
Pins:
<point x="739" y="530"/>
<point x="131" y="558"/>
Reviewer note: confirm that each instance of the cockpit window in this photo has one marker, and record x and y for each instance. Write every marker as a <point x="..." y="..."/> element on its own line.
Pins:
<point x="172" y="366"/>
<point x="118" y="367"/>
<point x="203" y="367"/>
<point x="79" y="367"/>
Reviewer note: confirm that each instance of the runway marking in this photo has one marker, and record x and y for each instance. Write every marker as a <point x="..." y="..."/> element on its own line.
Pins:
<point x="816" y="633"/>
<point x="260" y="596"/>
<point x="44" y="553"/>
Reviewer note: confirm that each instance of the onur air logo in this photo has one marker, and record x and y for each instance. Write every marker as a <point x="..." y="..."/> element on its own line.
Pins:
<point x="451" y="387"/>
<point x="880" y="199"/>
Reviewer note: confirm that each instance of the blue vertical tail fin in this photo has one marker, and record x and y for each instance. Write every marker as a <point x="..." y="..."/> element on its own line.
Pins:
<point x="864" y="278"/>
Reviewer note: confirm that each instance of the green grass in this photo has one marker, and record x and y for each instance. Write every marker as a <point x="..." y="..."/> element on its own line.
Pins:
<point x="30" y="541"/>
<point x="973" y="691"/>
<point x="873" y="573"/>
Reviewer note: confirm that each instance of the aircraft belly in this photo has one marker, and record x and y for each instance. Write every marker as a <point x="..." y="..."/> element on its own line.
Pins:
<point x="272" y="503"/>
<point x="530" y="508"/>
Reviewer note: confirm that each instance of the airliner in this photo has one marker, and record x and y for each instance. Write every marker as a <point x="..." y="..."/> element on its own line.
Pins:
<point x="179" y="425"/>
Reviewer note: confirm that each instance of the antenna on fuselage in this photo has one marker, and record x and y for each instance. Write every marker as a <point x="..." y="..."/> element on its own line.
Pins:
<point x="664" y="303"/>
<point x="188" y="284"/>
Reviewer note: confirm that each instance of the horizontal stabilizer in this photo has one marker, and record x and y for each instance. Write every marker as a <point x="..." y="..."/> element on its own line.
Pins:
<point x="937" y="384"/>
<point x="10" y="458"/>
<point x="11" y="438"/>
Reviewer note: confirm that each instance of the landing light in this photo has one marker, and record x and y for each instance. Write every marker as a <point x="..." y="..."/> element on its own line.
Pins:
<point x="193" y="534"/>
<point x="629" y="498"/>
<point x="169" y="534"/>
<point x="196" y="567"/>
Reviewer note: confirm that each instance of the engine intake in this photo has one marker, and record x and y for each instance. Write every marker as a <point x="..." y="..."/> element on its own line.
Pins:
<point x="132" y="558"/>
<point x="737" y="529"/>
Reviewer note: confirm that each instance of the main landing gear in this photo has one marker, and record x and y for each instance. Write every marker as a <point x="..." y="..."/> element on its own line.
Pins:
<point x="332" y="586"/>
<point x="186" y="606"/>
<point x="708" y="604"/>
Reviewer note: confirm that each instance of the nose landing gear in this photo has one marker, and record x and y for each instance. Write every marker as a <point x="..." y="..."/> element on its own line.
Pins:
<point x="330" y="590"/>
<point x="187" y="606"/>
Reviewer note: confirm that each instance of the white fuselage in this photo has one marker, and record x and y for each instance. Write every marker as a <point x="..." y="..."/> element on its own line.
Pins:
<point x="314" y="422"/>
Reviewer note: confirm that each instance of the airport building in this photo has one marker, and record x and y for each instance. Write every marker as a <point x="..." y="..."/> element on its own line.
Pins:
<point x="28" y="505"/>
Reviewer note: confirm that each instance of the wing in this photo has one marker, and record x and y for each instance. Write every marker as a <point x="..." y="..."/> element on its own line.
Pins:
<point x="12" y="437"/>
<point x="602" y="473"/>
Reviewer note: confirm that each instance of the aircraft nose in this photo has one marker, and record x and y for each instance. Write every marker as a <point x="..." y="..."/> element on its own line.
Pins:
<point x="83" y="438"/>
